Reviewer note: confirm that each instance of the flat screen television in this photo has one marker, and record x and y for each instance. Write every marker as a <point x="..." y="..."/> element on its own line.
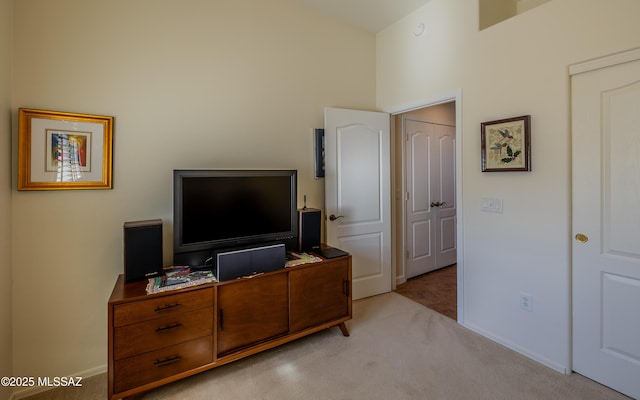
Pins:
<point x="215" y="210"/>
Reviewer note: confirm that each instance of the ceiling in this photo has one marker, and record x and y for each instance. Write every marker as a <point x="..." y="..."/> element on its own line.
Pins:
<point x="370" y="15"/>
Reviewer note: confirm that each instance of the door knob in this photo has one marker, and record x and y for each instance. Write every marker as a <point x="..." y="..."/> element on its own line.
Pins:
<point x="332" y="217"/>
<point x="438" y="203"/>
<point x="582" y="238"/>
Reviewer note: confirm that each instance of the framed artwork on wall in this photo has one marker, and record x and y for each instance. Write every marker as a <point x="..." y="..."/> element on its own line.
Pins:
<point x="61" y="150"/>
<point x="318" y="139"/>
<point x="506" y="144"/>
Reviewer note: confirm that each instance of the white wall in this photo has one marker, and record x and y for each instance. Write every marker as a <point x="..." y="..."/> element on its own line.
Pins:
<point x="6" y="356"/>
<point x="191" y="83"/>
<point x="517" y="67"/>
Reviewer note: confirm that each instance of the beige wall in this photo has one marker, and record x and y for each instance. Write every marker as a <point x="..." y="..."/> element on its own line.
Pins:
<point x="494" y="11"/>
<point x="191" y="84"/>
<point x="526" y="5"/>
<point x="6" y="356"/>
<point x="517" y="67"/>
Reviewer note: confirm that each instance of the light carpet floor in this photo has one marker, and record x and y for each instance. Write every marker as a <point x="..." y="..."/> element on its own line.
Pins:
<point x="398" y="349"/>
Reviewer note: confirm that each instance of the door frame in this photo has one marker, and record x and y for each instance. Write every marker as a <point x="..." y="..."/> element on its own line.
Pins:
<point x="454" y="96"/>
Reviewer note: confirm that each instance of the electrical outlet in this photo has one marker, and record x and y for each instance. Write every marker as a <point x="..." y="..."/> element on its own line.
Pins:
<point x="526" y="302"/>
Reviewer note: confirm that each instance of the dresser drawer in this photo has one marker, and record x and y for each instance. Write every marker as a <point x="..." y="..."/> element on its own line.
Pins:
<point x="124" y="314"/>
<point x="148" y="367"/>
<point x="154" y="334"/>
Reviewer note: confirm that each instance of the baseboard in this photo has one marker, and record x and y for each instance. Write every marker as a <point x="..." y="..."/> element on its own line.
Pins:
<point x="21" y="394"/>
<point x="519" y="349"/>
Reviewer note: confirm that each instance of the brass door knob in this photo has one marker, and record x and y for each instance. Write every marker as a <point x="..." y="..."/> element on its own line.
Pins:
<point x="582" y="238"/>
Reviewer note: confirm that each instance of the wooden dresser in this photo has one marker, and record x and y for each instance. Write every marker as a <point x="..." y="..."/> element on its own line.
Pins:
<point x="160" y="338"/>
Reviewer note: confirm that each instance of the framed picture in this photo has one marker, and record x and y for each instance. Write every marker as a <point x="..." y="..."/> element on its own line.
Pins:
<point x="59" y="150"/>
<point x="319" y="152"/>
<point x="506" y="144"/>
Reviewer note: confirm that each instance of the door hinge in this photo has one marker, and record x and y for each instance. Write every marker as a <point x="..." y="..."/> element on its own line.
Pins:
<point x="406" y="196"/>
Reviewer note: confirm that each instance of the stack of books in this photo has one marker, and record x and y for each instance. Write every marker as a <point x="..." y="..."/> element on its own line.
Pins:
<point x="294" y="259"/>
<point x="174" y="278"/>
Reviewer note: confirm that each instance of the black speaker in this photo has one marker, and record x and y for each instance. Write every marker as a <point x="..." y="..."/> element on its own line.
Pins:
<point x="142" y="250"/>
<point x="309" y="222"/>
<point x="234" y="264"/>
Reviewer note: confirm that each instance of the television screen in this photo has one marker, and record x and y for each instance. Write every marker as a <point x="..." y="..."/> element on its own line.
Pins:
<point x="223" y="209"/>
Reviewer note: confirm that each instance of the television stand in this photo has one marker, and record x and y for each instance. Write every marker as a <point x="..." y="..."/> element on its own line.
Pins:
<point x="160" y="338"/>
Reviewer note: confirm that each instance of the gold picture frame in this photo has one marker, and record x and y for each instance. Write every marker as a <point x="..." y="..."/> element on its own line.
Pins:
<point x="506" y="144"/>
<point x="62" y="150"/>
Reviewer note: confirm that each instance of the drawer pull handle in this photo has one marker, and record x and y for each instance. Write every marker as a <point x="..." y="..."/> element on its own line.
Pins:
<point x="169" y="360"/>
<point x="167" y="307"/>
<point x="166" y="328"/>
<point x="345" y="287"/>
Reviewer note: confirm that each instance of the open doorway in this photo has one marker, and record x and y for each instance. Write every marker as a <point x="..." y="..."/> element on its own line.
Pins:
<point x="436" y="290"/>
<point x="427" y="206"/>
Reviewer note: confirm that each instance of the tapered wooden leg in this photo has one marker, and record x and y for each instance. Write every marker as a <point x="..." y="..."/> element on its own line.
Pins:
<point x="343" y="329"/>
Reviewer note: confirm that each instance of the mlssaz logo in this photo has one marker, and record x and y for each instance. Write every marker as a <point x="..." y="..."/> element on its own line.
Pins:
<point x="60" y="381"/>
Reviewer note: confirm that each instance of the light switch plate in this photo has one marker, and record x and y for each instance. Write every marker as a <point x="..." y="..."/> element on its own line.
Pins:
<point x="491" y="204"/>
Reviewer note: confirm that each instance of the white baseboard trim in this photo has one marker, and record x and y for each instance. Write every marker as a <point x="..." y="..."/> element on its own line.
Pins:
<point x="21" y="394"/>
<point x="563" y="369"/>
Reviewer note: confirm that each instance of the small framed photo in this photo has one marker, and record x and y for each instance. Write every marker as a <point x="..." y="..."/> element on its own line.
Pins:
<point x="506" y="144"/>
<point x="318" y="144"/>
<point x="60" y="150"/>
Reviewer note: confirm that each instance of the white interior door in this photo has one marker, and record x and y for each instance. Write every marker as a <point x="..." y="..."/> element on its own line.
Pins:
<point x="431" y="198"/>
<point x="606" y="221"/>
<point x="357" y="194"/>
